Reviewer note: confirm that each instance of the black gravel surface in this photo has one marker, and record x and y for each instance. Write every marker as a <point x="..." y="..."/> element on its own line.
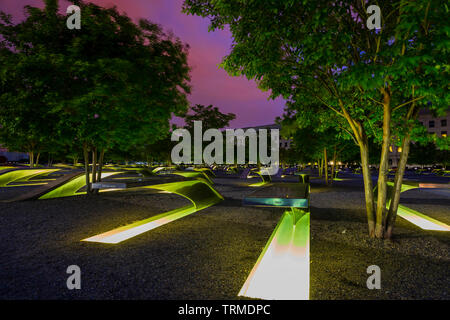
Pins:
<point x="209" y="254"/>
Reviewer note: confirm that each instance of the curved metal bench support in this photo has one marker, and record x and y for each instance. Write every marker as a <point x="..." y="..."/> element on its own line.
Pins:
<point x="282" y="269"/>
<point x="264" y="177"/>
<point x="23" y="175"/>
<point x="419" y="219"/>
<point x="194" y="174"/>
<point x="198" y="192"/>
<point x="71" y="187"/>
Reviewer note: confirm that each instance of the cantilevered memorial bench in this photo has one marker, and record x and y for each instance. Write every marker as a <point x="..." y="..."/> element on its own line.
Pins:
<point x="19" y="177"/>
<point x="198" y="191"/>
<point x="254" y="173"/>
<point x="419" y="219"/>
<point x="66" y="185"/>
<point x="198" y="174"/>
<point x="282" y="269"/>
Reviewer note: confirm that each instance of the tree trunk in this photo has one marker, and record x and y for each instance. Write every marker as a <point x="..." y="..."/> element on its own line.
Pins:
<point x="325" y="162"/>
<point x="333" y="166"/>
<point x="31" y="156"/>
<point x="368" y="187"/>
<point x="36" y="163"/>
<point x="320" y="164"/>
<point x="94" y="165"/>
<point x="100" y="165"/>
<point x="384" y="167"/>
<point x="395" y="197"/>
<point x="86" y="168"/>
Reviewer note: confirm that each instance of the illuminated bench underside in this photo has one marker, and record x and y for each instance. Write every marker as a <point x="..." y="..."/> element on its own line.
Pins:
<point x="265" y="178"/>
<point x="72" y="187"/>
<point x="194" y="175"/>
<point x="282" y="269"/>
<point x="419" y="219"/>
<point x="23" y="175"/>
<point x="200" y="193"/>
<point x="6" y="168"/>
<point x="207" y="171"/>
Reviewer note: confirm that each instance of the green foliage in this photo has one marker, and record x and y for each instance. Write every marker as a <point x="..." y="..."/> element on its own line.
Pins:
<point x="312" y="53"/>
<point x="423" y="153"/>
<point x="310" y="137"/>
<point x="111" y="84"/>
<point x="210" y="116"/>
<point x="321" y="56"/>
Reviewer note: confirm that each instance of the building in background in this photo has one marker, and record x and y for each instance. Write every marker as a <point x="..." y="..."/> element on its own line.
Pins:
<point x="7" y="156"/>
<point x="435" y="125"/>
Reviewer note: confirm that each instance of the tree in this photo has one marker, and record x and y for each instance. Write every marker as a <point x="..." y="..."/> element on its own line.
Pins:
<point x="210" y="116"/>
<point x="313" y="53"/>
<point x="117" y="83"/>
<point x="314" y="138"/>
<point x="27" y="82"/>
<point x="423" y="154"/>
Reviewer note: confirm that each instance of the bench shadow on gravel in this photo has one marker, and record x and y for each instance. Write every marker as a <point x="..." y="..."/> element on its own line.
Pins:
<point x="425" y="201"/>
<point x="332" y="214"/>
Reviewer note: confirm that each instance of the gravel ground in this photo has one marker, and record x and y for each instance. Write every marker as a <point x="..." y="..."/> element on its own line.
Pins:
<point x="209" y="254"/>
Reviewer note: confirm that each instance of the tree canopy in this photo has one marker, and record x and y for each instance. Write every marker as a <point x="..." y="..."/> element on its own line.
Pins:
<point x="111" y="84"/>
<point x="322" y="56"/>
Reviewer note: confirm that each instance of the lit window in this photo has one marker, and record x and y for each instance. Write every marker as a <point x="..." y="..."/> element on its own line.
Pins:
<point x="399" y="149"/>
<point x="390" y="148"/>
<point x="444" y="134"/>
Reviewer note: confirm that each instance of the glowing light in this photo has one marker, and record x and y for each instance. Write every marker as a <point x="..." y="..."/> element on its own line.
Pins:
<point x="137" y="228"/>
<point x="194" y="174"/>
<point x="265" y="178"/>
<point x="200" y="193"/>
<point x="71" y="187"/>
<point x="421" y="220"/>
<point x="275" y="202"/>
<point x="5" y="168"/>
<point x="157" y="169"/>
<point x="23" y="175"/>
<point x="282" y="269"/>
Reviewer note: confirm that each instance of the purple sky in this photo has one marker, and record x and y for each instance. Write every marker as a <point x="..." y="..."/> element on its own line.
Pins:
<point x="210" y="85"/>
